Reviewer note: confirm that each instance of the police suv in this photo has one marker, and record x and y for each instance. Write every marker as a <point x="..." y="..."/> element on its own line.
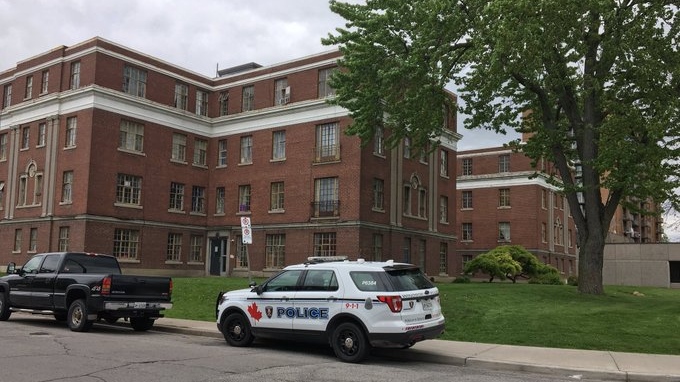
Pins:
<point x="351" y="305"/>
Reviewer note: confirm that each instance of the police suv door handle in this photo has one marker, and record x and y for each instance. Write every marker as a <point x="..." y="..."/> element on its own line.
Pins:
<point x="333" y="298"/>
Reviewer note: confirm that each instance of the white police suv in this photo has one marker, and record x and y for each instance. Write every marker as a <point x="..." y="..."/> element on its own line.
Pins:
<point x="351" y="305"/>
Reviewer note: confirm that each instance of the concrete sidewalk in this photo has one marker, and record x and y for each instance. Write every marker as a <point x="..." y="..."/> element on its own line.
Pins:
<point x="577" y="364"/>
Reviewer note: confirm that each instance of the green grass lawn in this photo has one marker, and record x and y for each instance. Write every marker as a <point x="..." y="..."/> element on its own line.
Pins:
<point x="515" y="314"/>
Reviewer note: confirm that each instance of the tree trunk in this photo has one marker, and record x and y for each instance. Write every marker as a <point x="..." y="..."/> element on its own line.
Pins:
<point x="591" y="259"/>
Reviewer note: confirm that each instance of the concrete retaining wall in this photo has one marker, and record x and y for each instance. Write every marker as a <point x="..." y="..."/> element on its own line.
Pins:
<point x="640" y="264"/>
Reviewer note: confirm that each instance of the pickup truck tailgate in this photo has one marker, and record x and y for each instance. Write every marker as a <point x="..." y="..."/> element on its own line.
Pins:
<point x="141" y="287"/>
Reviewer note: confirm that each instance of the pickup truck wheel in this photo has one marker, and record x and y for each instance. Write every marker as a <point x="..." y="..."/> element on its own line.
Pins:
<point x="77" y="316"/>
<point x="141" y="324"/>
<point x="349" y="343"/>
<point x="4" y="308"/>
<point x="236" y="330"/>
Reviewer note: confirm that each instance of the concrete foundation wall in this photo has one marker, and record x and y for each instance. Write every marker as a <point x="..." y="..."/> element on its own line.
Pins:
<point x="640" y="264"/>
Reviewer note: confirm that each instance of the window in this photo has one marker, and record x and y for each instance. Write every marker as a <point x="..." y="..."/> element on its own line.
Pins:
<point x="325" y="89"/>
<point x="174" y="252"/>
<point x="241" y="253"/>
<point x="443" y="258"/>
<point x="466" y="259"/>
<point x="422" y="203"/>
<point x="17" y="241"/>
<point x="407" y="147"/>
<point x="3" y="146"/>
<point x="64" y="233"/>
<point x="406" y="250"/>
<point x="444" y="163"/>
<point x="326" y="197"/>
<point x="224" y="103"/>
<point x="504" y="231"/>
<point x="244" y="198"/>
<point x="466" y="200"/>
<point x="378" y="194"/>
<point x="67" y="187"/>
<point x="125" y="244"/>
<point x="275" y="251"/>
<point x="407" y="199"/>
<point x="196" y="249"/>
<point x="222" y="152"/>
<point x="201" y="103"/>
<point x="71" y="124"/>
<point x="248" y="102"/>
<point x="281" y="92"/>
<point x="134" y="81"/>
<point x="544" y="233"/>
<point x="44" y="87"/>
<point x="220" y="194"/>
<point x="504" y="197"/>
<point x="247" y="149"/>
<point x="7" y="96"/>
<point x="466" y="232"/>
<point x="443" y="209"/>
<point x="279" y="145"/>
<point x="23" y="186"/>
<point x="559" y="232"/>
<point x="379" y="141"/>
<point x="200" y="152"/>
<point x="179" y="147"/>
<point x="276" y="199"/>
<point x="176" y="197"/>
<point x="129" y="189"/>
<point x="325" y="244"/>
<point x="181" y="96"/>
<point x="198" y="199"/>
<point x="37" y="189"/>
<point x="423" y="154"/>
<point x="33" y="240"/>
<point x="327" y="147"/>
<point x="544" y="199"/>
<point x="131" y="136"/>
<point x="25" y="135"/>
<point x="504" y="163"/>
<point x="467" y="166"/>
<point x="28" y="91"/>
<point x="2" y="194"/>
<point x="569" y="239"/>
<point x="42" y="131"/>
<point x="377" y="247"/>
<point x="75" y="75"/>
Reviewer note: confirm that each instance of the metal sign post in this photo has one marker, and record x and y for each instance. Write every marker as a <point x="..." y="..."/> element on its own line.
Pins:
<point x="247" y="235"/>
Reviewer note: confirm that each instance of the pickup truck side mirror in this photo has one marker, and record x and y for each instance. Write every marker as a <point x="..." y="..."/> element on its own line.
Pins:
<point x="11" y="268"/>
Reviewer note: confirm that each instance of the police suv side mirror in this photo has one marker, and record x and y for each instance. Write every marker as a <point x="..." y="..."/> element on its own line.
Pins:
<point x="257" y="289"/>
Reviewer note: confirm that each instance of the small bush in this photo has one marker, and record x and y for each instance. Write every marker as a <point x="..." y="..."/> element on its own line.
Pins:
<point x="461" y="280"/>
<point x="572" y="280"/>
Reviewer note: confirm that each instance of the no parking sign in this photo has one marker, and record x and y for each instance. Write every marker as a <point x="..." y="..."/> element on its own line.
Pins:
<point x="246" y="230"/>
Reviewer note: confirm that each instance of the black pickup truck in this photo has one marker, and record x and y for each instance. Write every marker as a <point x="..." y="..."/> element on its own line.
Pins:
<point x="82" y="288"/>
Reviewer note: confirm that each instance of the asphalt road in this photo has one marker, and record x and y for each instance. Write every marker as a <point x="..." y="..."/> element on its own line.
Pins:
<point x="36" y="349"/>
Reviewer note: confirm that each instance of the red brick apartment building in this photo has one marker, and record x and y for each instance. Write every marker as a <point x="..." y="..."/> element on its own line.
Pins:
<point x="106" y="149"/>
<point x="499" y="204"/>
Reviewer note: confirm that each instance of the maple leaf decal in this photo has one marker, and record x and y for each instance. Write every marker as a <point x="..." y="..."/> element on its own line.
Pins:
<point x="254" y="312"/>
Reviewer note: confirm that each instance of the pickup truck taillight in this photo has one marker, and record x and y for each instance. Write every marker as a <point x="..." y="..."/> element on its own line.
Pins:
<point x="106" y="286"/>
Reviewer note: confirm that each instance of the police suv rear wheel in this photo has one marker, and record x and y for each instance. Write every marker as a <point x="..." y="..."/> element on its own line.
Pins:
<point x="349" y="343"/>
<point x="236" y="330"/>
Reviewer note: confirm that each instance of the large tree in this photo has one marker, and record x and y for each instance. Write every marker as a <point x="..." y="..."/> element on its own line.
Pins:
<point x="596" y="83"/>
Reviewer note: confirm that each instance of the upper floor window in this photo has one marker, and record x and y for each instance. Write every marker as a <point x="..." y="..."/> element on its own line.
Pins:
<point x="176" y="197"/>
<point x="466" y="232"/>
<point x="379" y="141"/>
<point x="3" y="146"/>
<point x="2" y="193"/>
<point x="406" y="206"/>
<point x="466" y="200"/>
<point x="181" y="96"/>
<point x="131" y="136"/>
<point x="504" y="197"/>
<point x="443" y="163"/>
<point x="544" y="199"/>
<point x="422" y="202"/>
<point x="443" y="209"/>
<point x="504" y="231"/>
<point x="504" y="163"/>
<point x="44" y="86"/>
<point x="244" y="198"/>
<point x="25" y="141"/>
<point x="75" y="75"/>
<point x="7" y="96"/>
<point x="220" y="194"/>
<point x="198" y="199"/>
<point x="248" y="102"/>
<point x="281" y="92"/>
<point x="129" y="190"/>
<point x="277" y="196"/>
<point x="222" y="152"/>
<point x="326" y="197"/>
<point x="325" y="88"/>
<point x="224" y="103"/>
<point x="179" y="147"/>
<point x="247" y="149"/>
<point x="134" y="81"/>
<point x="327" y="146"/>
<point x="28" y="91"/>
<point x="42" y="131"/>
<point x="200" y="152"/>
<point x="201" y="103"/>
<point x="71" y="125"/>
<point x="67" y="187"/>
<point x="467" y="166"/>
<point x="378" y="194"/>
<point x="279" y="145"/>
<point x="407" y="147"/>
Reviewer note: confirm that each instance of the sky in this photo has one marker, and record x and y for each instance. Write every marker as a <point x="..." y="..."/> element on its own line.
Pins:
<point x="198" y="35"/>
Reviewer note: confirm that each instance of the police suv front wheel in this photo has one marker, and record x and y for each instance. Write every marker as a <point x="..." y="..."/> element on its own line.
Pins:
<point x="236" y="330"/>
<point x="349" y="343"/>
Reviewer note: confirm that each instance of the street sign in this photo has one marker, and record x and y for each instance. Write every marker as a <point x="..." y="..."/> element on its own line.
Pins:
<point x="246" y="230"/>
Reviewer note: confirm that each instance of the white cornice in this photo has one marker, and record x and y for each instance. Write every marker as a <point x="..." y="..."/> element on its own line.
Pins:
<point x="521" y="178"/>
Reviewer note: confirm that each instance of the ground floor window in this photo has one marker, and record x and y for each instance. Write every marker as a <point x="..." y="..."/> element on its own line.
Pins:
<point x="325" y="244"/>
<point x="275" y="251"/>
<point x="125" y="244"/>
<point x="675" y="271"/>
